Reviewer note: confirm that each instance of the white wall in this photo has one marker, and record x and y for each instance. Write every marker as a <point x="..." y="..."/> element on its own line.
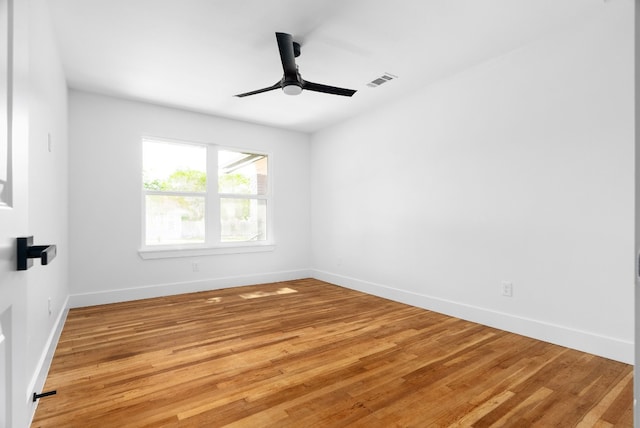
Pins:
<point x="105" y="202"/>
<point x="48" y="193"/>
<point x="518" y="170"/>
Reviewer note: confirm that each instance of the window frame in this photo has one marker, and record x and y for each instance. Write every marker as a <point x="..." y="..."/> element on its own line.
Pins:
<point x="212" y="244"/>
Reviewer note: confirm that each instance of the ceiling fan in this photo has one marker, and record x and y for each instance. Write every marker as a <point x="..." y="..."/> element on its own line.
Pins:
<point x="292" y="82"/>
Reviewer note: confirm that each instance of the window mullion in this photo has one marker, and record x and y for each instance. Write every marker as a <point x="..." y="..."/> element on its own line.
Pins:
<point x="241" y="196"/>
<point x="212" y="216"/>
<point x="173" y="193"/>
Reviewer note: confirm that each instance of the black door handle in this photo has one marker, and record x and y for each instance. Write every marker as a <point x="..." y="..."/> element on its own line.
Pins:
<point x="28" y="251"/>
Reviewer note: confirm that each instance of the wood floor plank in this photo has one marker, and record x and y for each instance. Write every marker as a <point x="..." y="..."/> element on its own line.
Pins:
<point x="308" y="353"/>
<point x="609" y="409"/>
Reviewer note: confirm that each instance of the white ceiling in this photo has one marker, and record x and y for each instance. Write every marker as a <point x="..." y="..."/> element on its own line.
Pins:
<point x="196" y="54"/>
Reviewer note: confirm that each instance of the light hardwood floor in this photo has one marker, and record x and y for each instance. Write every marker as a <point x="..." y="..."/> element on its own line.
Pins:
<point x="322" y="356"/>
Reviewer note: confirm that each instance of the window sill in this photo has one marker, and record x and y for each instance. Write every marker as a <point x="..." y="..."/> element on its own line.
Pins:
<point x="175" y="252"/>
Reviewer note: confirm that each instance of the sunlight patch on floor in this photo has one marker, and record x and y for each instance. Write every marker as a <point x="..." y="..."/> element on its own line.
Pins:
<point x="257" y="294"/>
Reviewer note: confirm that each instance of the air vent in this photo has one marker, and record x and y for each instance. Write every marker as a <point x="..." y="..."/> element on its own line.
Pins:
<point x="380" y="80"/>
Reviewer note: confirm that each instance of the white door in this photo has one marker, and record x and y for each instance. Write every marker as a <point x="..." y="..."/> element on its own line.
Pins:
<point x="636" y="376"/>
<point x="14" y="403"/>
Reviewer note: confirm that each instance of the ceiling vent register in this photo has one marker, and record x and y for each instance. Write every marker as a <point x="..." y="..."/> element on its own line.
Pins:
<point x="382" y="79"/>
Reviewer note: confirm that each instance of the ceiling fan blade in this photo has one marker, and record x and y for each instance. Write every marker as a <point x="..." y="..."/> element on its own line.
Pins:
<point x="317" y="87"/>
<point x="287" y="55"/>
<point x="259" y="91"/>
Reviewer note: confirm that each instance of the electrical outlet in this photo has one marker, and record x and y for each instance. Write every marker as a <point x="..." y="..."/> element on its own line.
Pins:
<point x="49" y="306"/>
<point x="195" y="267"/>
<point x="507" y="289"/>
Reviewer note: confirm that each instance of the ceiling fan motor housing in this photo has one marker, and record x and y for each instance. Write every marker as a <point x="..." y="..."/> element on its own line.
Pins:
<point x="292" y="89"/>
<point x="292" y="85"/>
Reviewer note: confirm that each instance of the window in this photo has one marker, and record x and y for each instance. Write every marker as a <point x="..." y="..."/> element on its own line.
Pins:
<point x="185" y="206"/>
<point x="242" y="188"/>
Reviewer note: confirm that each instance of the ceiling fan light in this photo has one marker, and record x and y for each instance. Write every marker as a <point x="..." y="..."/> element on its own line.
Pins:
<point x="292" y="89"/>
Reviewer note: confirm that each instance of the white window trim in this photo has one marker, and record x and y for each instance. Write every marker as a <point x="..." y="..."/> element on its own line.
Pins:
<point x="212" y="199"/>
<point x="174" y="252"/>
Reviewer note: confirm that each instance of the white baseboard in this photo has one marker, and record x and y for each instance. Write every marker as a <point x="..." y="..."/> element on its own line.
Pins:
<point x="608" y="347"/>
<point x="159" y="290"/>
<point x="44" y="363"/>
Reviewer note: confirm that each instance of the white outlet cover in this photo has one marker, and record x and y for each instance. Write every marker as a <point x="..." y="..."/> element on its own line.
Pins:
<point x="507" y="289"/>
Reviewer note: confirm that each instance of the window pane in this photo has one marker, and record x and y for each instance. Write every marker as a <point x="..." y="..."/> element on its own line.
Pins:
<point x="243" y="219"/>
<point x="174" y="167"/>
<point x="174" y="220"/>
<point x="242" y="173"/>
